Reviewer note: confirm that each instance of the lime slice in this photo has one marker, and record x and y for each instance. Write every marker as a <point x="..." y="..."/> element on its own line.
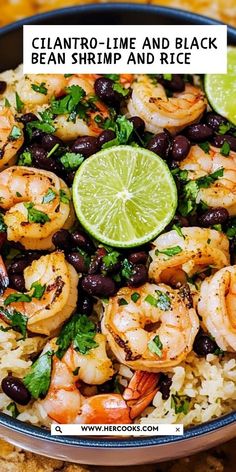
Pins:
<point x="124" y="196"/>
<point x="221" y="89"/>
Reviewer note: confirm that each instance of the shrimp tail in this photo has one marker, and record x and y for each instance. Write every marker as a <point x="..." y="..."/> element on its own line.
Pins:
<point x="140" y="391"/>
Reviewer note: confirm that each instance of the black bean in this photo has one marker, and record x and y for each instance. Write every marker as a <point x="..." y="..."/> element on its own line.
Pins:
<point x="180" y="148"/>
<point x="213" y="216"/>
<point x="3" y="86"/>
<point x="204" y="345"/>
<point x="96" y="261"/>
<point x="199" y="132"/>
<point x="106" y="136"/>
<point x="62" y="239"/>
<point x="37" y="135"/>
<point x="139" y="276"/>
<point x="3" y="238"/>
<point x="15" y="389"/>
<point x="41" y="160"/>
<point x="81" y="240"/>
<point x="232" y="250"/>
<point x="28" y="117"/>
<point x="164" y="385"/>
<point x="139" y="257"/>
<point x="18" y="266"/>
<point x="86" y="145"/>
<point x="181" y="220"/>
<point x="214" y="120"/>
<point x="99" y="285"/>
<point x="176" y="84"/>
<point x="219" y="140"/>
<point x="85" y="304"/>
<point x="160" y="144"/>
<point x="138" y="124"/>
<point x="77" y="261"/>
<point x="49" y="141"/>
<point x="69" y="177"/>
<point x="104" y="90"/>
<point x="17" y="282"/>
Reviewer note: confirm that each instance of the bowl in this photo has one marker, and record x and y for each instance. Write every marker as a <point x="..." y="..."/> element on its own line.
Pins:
<point x="105" y="451"/>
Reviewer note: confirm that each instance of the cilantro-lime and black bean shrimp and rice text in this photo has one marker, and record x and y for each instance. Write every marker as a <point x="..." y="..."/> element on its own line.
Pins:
<point x="137" y="324"/>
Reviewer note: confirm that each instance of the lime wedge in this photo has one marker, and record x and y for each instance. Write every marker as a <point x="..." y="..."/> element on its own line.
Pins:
<point x="221" y="89"/>
<point x="124" y="196"/>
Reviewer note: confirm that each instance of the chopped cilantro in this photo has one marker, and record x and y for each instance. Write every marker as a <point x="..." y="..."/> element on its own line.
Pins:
<point x="178" y="230"/>
<point x="231" y="231"/>
<point x="225" y="149"/>
<point x="67" y="75"/>
<point x="25" y="159"/>
<point x="163" y="300"/>
<point x="40" y="88"/>
<point x="205" y="147"/>
<point x="71" y="160"/>
<point x="15" y="133"/>
<point x="110" y="259"/>
<point x="224" y="127"/>
<point x="180" y="403"/>
<point x="127" y="269"/>
<point x="167" y="76"/>
<point x="135" y="297"/>
<point x="76" y="371"/>
<point x="170" y="251"/>
<point x="123" y="129"/>
<point x="68" y="104"/>
<point x="120" y="89"/>
<point x="155" y="346"/>
<point x="49" y="196"/>
<point x="7" y="103"/>
<point x="19" y="103"/>
<point x="80" y="331"/>
<point x="17" y="320"/>
<point x="37" y="381"/>
<point x="151" y="300"/>
<point x="3" y="226"/>
<point x="218" y="352"/>
<point x="53" y="150"/>
<point x="217" y="227"/>
<point x="13" y="409"/>
<point x="17" y="297"/>
<point x="45" y="123"/>
<point x="122" y="301"/>
<point x="38" y="290"/>
<point x="114" y="77"/>
<point x="36" y="216"/>
<point x="64" y="197"/>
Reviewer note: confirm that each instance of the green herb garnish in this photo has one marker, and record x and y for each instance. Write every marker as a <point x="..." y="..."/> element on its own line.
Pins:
<point x="127" y="269"/>
<point x="36" y="216"/>
<point x="19" y="103"/>
<point x="40" y="88"/>
<point x="135" y="297"/>
<point x="17" y="320"/>
<point x="156" y="346"/>
<point x="25" y="159"/>
<point x="37" y="381"/>
<point x="170" y="251"/>
<point x="64" y="197"/>
<point x="49" y="196"/>
<point x="225" y="149"/>
<point x="180" y="403"/>
<point x="71" y="160"/>
<point x="13" y="409"/>
<point x="15" y="133"/>
<point x="122" y="302"/>
<point x="205" y="147"/>
<point x="80" y="331"/>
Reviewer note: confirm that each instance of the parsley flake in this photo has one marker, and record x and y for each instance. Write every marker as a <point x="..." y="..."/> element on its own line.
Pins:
<point x="170" y="251"/>
<point x="127" y="269"/>
<point x="205" y="147"/>
<point x="80" y="331"/>
<point x="25" y="159"/>
<point x="156" y="346"/>
<point x="180" y="403"/>
<point x="37" y="381"/>
<point x="36" y="216"/>
<point x="71" y="160"/>
<point x="40" y="88"/>
<point x="17" y="320"/>
<point x="12" y="408"/>
<point x="225" y="149"/>
<point x="64" y="197"/>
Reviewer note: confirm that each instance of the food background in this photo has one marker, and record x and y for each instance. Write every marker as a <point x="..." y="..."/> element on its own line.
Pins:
<point x="224" y="10"/>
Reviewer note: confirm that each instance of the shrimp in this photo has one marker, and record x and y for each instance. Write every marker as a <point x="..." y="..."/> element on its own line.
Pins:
<point x="58" y="282"/>
<point x="153" y="333"/>
<point x="68" y="130"/>
<point x="11" y="137"/>
<point x="189" y="253"/>
<point x="37" y="204"/>
<point x="217" y="307"/>
<point x="37" y="90"/>
<point x="150" y="102"/>
<point x="222" y="192"/>
<point x="65" y="404"/>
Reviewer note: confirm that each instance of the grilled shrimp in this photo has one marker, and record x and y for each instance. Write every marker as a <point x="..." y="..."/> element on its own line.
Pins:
<point x="37" y="89"/>
<point x="11" y="137"/>
<point x="36" y="203"/>
<point x="189" y="254"/>
<point x="65" y="404"/>
<point x="58" y="282"/>
<point x="222" y="192"/>
<point x="150" y="102"/>
<point x="153" y="333"/>
<point x="217" y="306"/>
<point x="69" y="130"/>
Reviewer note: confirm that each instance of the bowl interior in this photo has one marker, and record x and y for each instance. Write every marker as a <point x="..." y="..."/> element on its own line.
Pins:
<point x="11" y="55"/>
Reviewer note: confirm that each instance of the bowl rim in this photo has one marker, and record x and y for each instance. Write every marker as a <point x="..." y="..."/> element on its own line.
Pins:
<point x="40" y="433"/>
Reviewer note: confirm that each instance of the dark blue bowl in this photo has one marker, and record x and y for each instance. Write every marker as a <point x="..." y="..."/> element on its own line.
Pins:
<point x="109" y="451"/>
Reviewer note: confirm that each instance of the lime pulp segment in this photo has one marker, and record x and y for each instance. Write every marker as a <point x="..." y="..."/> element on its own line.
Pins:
<point x="221" y="89"/>
<point x="124" y="196"/>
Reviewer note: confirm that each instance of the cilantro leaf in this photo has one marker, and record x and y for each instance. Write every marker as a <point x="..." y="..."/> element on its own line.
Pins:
<point x="19" y="103"/>
<point x="155" y="346"/>
<point x="110" y="259"/>
<point x="49" y="196"/>
<point x="167" y="76"/>
<point x="178" y="230"/>
<point x="3" y="226"/>
<point x="80" y="331"/>
<point x="120" y="89"/>
<point x="68" y="104"/>
<point x="37" y="381"/>
<point x="25" y="159"/>
<point x="71" y="160"/>
<point x="17" y="297"/>
<point x="7" y="103"/>
<point x="163" y="300"/>
<point x="40" y="88"/>
<point x="38" y="290"/>
<point x="17" y="320"/>
<point x="127" y="269"/>
<point x="224" y="127"/>
<point x="225" y="149"/>
<point x="36" y="216"/>
<point x="15" y="133"/>
<point x="135" y="297"/>
<point x="64" y="197"/>
<point x="54" y="148"/>
<point x="205" y="147"/>
<point x="123" y="129"/>
<point x="170" y="251"/>
<point x="114" y="77"/>
<point x="45" y="123"/>
<point x="180" y="403"/>
<point x="13" y="409"/>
